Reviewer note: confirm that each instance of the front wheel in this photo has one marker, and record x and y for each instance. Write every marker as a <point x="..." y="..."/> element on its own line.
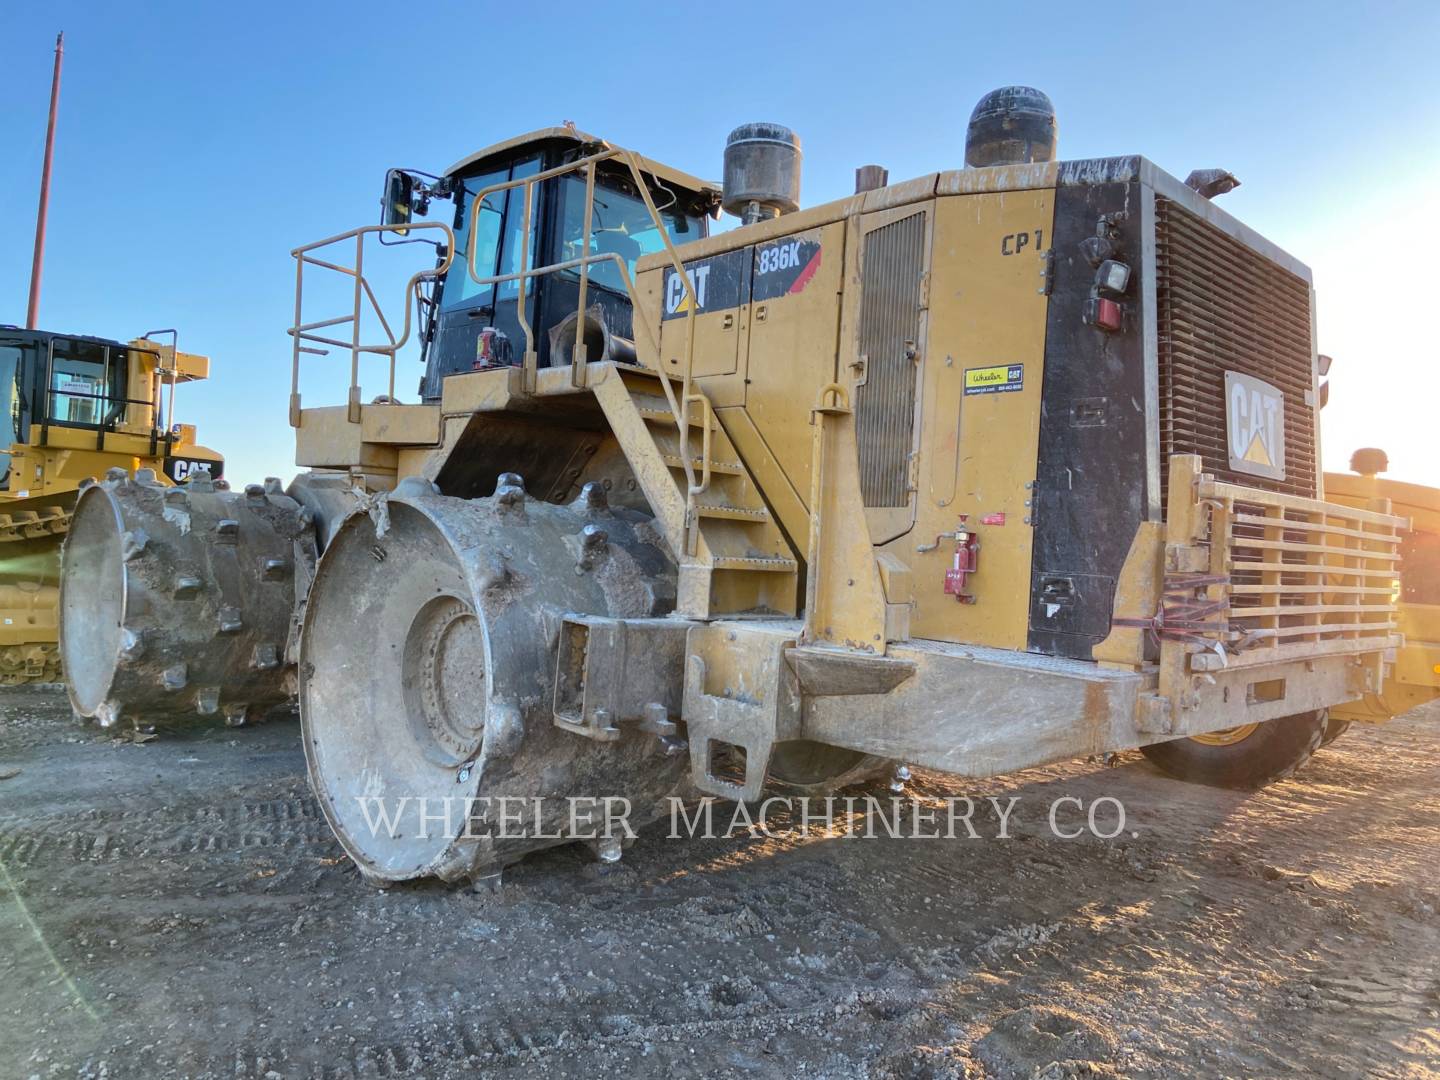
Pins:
<point x="1333" y="730"/>
<point x="1249" y="756"/>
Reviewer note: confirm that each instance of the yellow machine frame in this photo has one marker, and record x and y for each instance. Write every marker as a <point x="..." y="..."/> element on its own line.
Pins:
<point x="1415" y="677"/>
<point x="750" y="466"/>
<point x="45" y="475"/>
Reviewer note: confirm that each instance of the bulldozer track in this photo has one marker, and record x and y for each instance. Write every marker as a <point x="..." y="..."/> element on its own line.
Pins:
<point x="32" y="524"/>
<point x="24" y="664"/>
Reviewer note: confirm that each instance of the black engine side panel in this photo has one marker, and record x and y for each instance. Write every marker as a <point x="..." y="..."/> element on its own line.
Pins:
<point x="1091" y="475"/>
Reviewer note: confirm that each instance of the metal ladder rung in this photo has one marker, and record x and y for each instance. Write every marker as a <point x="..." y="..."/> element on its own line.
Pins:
<point x="774" y="563"/>
<point x="729" y="468"/>
<point x="659" y="413"/>
<point x="732" y="513"/>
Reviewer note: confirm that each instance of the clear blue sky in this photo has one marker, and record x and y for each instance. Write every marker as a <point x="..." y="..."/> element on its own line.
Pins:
<point x="199" y="142"/>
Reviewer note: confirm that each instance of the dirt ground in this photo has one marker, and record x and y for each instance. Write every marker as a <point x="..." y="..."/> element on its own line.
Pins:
<point x="180" y="908"/>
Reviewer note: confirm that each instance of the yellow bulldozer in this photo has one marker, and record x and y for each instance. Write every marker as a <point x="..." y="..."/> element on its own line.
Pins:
<point x="73" y="408"/>
<point x="1415" y="677"/>
<point x="1009" y="463"/>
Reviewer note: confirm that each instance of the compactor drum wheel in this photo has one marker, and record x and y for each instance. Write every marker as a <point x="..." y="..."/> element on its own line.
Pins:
<point x="1248" y="756"/>
<point x="427" y="666"/>
<point x="176" y="601"/>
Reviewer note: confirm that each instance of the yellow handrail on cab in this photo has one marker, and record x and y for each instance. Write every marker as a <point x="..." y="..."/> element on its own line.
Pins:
<point x="679" y="404"/>
<point x="679" y="407"/>
<point x="305" y="332"/>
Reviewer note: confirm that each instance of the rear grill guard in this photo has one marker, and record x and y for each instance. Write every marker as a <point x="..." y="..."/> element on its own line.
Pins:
<point x="1224" y="307"/>
<point x="1278" y="577"/>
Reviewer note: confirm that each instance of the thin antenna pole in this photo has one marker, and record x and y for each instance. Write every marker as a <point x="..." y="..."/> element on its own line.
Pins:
<point x="33" y="311"/>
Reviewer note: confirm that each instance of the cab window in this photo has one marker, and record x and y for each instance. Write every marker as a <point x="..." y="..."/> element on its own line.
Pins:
<point x="619" y="226"/>
<point x="514" y="221"/>
<point x="85" y="384"/>
<point x="460" y="288"/>
<point x="497" y="237"/>
<point x="12" y="401"/>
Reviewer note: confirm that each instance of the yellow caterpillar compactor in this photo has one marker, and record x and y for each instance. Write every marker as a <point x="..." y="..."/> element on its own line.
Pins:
<point x="1001" y="465"/>
<point x="74" y="407"/>
<point x="1415" y="678"/>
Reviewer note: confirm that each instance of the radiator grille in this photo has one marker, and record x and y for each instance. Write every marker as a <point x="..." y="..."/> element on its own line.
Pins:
<point x="889" y="317"/>
<point x="1225" y="307"/>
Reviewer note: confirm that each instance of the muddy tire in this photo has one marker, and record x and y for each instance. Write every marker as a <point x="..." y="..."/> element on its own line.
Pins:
<point x="1334" y="728"/>
<point x="1243" y="758"/>
<point x="427" y="667"/>
<point x="176" y="602"/>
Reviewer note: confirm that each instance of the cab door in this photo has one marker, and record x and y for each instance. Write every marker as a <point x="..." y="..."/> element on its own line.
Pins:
<point x="83" y="384"/>
<point x="16" y="357"/>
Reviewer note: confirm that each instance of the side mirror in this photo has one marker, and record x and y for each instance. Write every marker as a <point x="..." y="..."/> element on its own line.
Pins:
<point x="398" y="200"/>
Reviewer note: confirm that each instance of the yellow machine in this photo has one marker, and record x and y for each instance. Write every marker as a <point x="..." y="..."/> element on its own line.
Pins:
<point x="998" y="466"/>
<point x="74" y="408"/>
<point x="1415" y="678"/>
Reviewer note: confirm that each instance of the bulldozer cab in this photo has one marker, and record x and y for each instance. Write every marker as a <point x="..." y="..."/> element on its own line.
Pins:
<point x="49" y="380"/>
<point x="490" y="238"/>
<point x="52" y="383"/>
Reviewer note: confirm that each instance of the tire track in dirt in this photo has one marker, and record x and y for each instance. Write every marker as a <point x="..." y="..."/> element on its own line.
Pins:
<point x="1287" y="932"/>
<point x="100" y="835"/>
<point x="519" y="1041"/>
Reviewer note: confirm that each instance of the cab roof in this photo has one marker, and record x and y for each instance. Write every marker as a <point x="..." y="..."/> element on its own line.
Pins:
<point x="9" y="331"/>
<point x="571" y="134"/>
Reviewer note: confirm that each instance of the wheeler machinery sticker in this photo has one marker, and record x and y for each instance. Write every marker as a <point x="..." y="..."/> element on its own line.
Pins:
<point x="1255" y="426"/>
<point x="999" y="379"/>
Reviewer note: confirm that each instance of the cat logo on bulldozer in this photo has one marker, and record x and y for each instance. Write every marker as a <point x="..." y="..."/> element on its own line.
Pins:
<point x="1255" y="426"/>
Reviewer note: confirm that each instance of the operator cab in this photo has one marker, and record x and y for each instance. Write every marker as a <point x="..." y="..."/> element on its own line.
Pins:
<point x="620" y="224"/>
<point x="56" y="380"/>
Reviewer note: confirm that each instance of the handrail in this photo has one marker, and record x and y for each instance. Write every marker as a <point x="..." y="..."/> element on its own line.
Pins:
<point x="100" y="425"/>
<point x="571" y="264"/>
<point x="707" y="415"/>
<point x="838" y="392"/>
<point x="42" y="401"/>
<point x="678" y="407"/>
<point x="305" y="332"/>
<point x="525" y="273"/>
<point x="157" y="388"/>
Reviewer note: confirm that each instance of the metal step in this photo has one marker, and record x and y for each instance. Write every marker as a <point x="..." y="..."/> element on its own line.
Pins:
<point x="656" y="410"/>
<point x="776" y="563"/>
<point x="728" y="468"/>
<point x="732" y="513"/>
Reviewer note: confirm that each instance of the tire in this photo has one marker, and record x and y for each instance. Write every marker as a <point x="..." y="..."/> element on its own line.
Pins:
<point x="1245" y="758"/>
<point x="1333" y="730"/>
